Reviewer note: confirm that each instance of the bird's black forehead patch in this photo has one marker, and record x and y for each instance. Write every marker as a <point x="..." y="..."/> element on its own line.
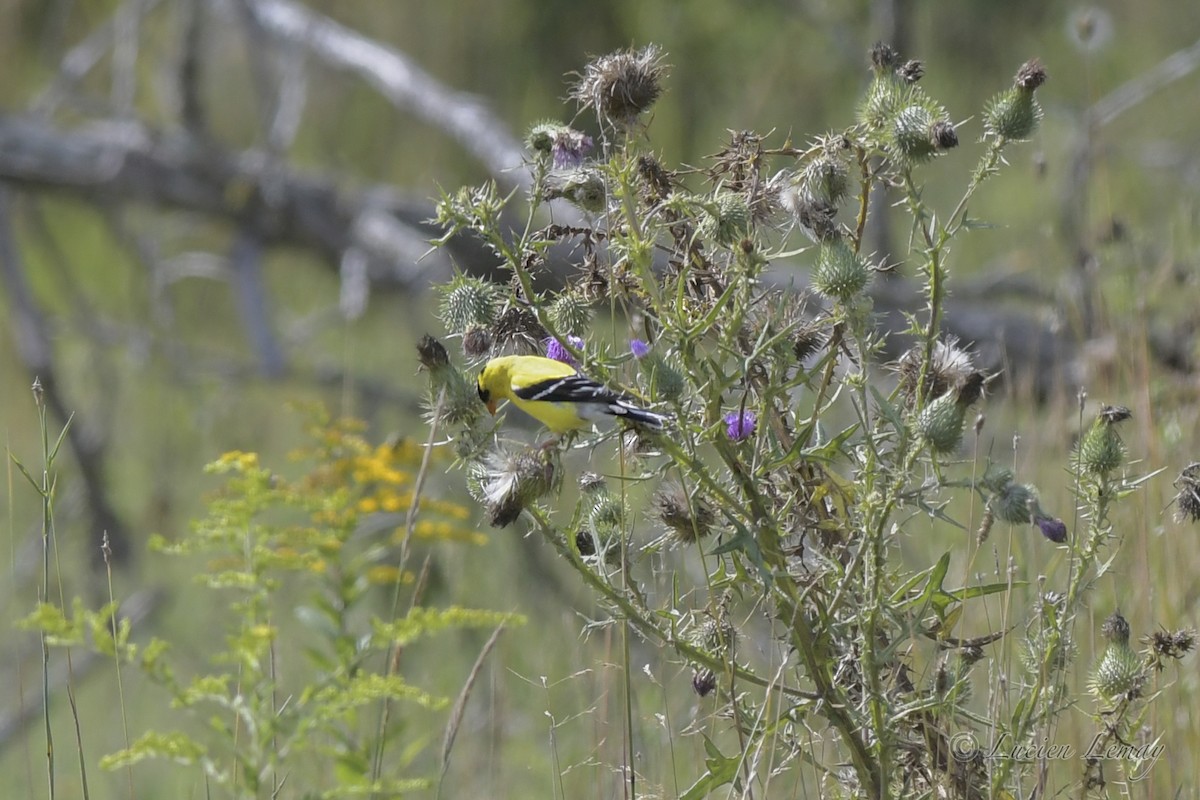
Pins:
<point x="484" y="394"/>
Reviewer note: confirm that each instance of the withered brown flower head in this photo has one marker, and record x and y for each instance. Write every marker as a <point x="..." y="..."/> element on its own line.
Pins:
<point x="1116" y="628"/>
<point x="911" y="71"/>
<point x="943" y="135"/>
<point x="1111" y="415"/>
<point x="1030" y="76"/>
<point x="519" y="331"/>
<point x="884" y="57"/>
<point x="1188" y="499"/>
<point x="620" y="86"/>
<point x="430" y="352"/>
<point x="655" y="177"/>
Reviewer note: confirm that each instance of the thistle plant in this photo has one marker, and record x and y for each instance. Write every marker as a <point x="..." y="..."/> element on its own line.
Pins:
<point x="795" y="464"/>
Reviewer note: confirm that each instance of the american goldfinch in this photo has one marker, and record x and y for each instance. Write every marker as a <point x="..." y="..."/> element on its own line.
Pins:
<point x="555" y="394"/>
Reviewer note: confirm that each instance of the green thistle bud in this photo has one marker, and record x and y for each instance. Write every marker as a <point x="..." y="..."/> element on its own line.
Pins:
<point x="570" y="313"/>
<point x="727" y="218"/>
<point x="919" y="132"/>
<point x="840" y="273"/>
<point x="541" y="136"/>
<point x="826" y="180"/>
<point x="1120" y="673"/>
<point x="1014" y="114"/>
<point x="468" y="302"/>
<point x="666" y="380"/>
<point x="941" y="422"/>
<point x="584" y="187"/>
<point x="1038" y="653"/>
<point x="1014" y="503"/>
<point x="884" y="98"/>
<point x="1101" y="450"/>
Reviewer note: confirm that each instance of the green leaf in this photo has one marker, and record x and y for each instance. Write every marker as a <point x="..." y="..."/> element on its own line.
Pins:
<point x="721" y="771"/>
<point x="889" y="411"/>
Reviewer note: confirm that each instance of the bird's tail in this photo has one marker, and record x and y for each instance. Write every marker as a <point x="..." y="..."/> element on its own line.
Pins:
<point x="642" y="416"/>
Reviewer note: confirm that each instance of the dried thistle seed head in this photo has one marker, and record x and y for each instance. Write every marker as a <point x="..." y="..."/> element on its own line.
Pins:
<point x="430" y="352"/>
<point x="949" y="365"/>
<point x="508" y="480"/>
<point x="1111" y="415"/>
<point x="841" y="274"/>
<point x="1187" y="501"/>
<point x="685" y="519"/>
<point x="808" y="338"/>
<point x="884" y="58"/>
<point x="619" y="87"/>
<point x="518" y="331"/>
<point x="818" y="220"/>
<point x="656" y="179"/>
<point x="717" y="637"/>
<point x="590" y="483"/>
<point x="477" y="342"/>
<point x="704" y="680"/>
<point x="1116" y="628"/>
<point x="468" y="302"/>
<point x="943" y="136"/>
<point x="1030" y="76"/>
<point x="910" y="71"/>
<point x="1170" y="644"/>
<point x="737" y="164"/>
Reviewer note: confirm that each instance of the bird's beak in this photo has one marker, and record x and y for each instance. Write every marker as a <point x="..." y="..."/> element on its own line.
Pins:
<point x="491" y="407"/>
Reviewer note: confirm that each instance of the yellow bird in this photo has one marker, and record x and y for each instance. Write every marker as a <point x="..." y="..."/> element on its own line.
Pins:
<point x="556" y="394"/>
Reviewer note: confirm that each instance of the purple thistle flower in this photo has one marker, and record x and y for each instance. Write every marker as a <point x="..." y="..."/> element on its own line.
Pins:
<point x="1053" y="529"/>
<point x="740" y="425"/>
<point x="639" y="348"/>
<point x="569" y="148"/>
<point x="556" y="350"/>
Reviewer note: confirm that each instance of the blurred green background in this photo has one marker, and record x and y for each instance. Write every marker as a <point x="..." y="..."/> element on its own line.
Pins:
<point x="1096" y="218"/>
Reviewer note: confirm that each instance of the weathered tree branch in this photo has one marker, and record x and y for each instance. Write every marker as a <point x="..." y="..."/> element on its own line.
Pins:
<point x="125" y="163"/>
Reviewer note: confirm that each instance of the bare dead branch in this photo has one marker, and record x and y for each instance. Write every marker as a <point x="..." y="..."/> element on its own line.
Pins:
<point x="124" y="162"/>
<point x="465" y="117"/>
